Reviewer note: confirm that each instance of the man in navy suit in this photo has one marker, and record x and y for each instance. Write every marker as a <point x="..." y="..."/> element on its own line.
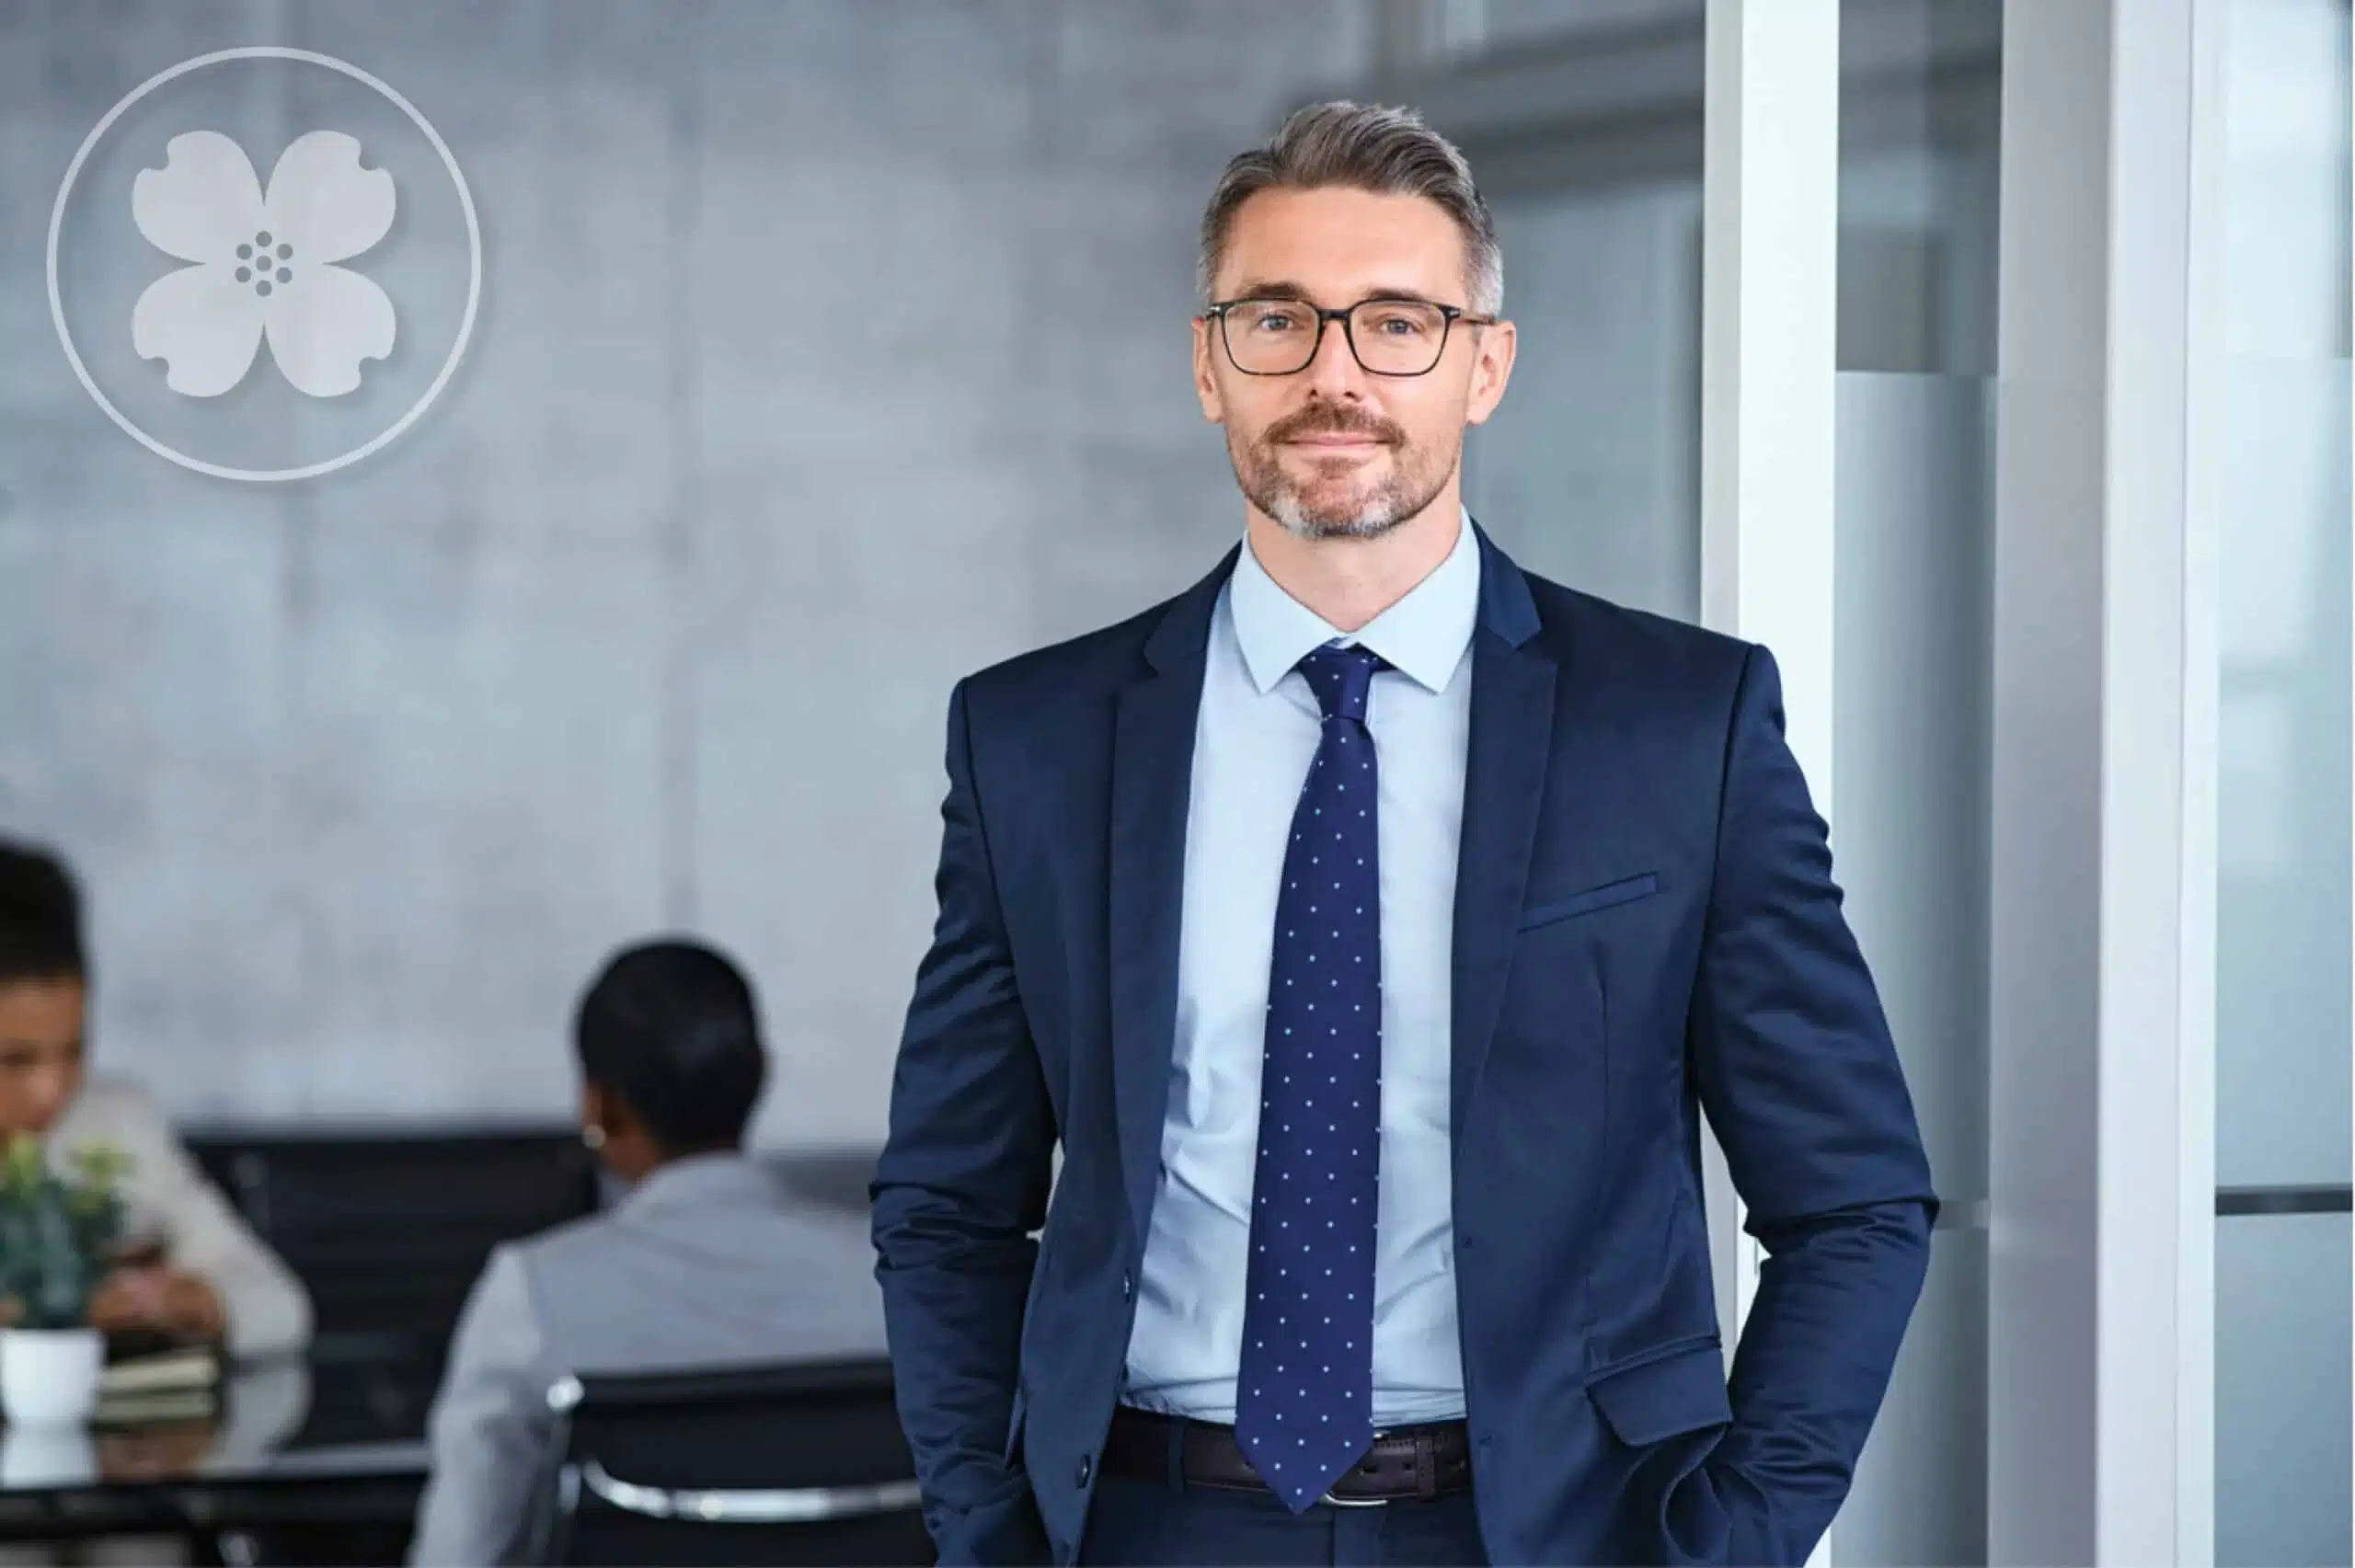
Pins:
<point x="1371" y="925"/>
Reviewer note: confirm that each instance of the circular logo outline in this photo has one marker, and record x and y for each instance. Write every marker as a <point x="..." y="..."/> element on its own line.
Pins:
<point x="465" y="323"/>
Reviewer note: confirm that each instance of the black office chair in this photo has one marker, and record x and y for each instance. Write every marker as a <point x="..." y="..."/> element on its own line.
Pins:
<point x="742" y="1465"/>
<point x="389" y="1226"/>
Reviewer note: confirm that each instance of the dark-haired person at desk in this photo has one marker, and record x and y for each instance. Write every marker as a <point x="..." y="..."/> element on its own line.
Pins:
<point x="706" y="1262"/>
<point x="203" y="1275"/>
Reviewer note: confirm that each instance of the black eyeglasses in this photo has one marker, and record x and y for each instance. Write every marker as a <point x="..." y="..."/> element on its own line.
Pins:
<point x="1399" y="338"/>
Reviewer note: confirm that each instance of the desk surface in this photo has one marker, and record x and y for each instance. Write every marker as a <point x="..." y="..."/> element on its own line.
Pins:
<point x="348" y="1410"/>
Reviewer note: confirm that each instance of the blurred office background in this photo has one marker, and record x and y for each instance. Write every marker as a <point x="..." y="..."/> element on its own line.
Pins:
<point x="828" y="351"/>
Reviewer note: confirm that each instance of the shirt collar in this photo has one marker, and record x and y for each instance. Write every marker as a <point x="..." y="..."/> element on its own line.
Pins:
<point x="1422" y="636"/>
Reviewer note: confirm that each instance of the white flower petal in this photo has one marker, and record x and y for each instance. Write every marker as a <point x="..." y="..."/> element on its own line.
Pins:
<point x="203" y="325"/>
<point x="323" y="323"/>
<point x="323" y="203"/>
<point x="202" y="203"/>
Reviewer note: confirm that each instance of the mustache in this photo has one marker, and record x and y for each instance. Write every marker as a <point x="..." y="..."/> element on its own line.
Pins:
<point x="1325" y="421"/>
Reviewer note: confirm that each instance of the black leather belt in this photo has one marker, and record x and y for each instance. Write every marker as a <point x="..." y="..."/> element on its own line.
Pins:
<point x="1405" y="1463"/>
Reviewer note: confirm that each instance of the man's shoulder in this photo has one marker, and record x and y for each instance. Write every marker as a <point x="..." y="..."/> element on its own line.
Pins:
<point x="1106" y="657"/>
<point x="1598" y="625"/>
<point x="1062" y="679"/>
<point x="1636" y="654"/>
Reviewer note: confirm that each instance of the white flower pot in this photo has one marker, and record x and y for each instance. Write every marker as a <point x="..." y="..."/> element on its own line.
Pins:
<point x="50" y="1377"/>
<point x="47" y="1456"/>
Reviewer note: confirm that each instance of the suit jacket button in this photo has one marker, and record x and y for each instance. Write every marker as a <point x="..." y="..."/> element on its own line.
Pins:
<point x="1086" y="1469"/>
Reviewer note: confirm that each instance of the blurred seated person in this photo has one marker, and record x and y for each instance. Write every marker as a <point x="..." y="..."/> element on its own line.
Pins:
<point x="198" y="1273"/>
<point x="706" y="1262"/>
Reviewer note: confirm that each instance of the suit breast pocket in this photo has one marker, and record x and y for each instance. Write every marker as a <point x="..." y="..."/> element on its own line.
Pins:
<point x="1625" y="890"/>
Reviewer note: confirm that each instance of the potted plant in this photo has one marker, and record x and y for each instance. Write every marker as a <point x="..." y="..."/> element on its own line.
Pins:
<point x="57" y="1241"/>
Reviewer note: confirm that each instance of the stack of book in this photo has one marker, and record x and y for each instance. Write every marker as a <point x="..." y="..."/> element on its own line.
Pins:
<point x="167" y="1386"/>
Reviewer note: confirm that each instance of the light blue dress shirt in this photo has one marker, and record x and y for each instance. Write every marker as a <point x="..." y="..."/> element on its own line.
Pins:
<point x="1253" y="742"/>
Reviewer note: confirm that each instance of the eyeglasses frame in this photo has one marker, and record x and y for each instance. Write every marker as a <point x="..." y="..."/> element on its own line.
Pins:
<point x="1449" y="316"/>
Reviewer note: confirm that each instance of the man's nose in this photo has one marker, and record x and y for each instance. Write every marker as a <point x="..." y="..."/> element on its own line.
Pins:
<point x="1334" y="369"/>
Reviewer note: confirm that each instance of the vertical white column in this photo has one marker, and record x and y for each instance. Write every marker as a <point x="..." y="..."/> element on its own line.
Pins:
<point x="2192" y="1332"/>
<point x="1770" y="209"/>
<point x="2103" y="882"/>
<point x="1769" y="338"/>
<point x="2156" y="1164"/>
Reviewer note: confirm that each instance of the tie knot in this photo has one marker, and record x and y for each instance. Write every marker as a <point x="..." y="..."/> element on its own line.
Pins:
<point x="1341" y="676"/>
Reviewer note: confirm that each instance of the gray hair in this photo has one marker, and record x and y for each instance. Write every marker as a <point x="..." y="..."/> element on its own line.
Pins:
<point x="1389" y="152"/>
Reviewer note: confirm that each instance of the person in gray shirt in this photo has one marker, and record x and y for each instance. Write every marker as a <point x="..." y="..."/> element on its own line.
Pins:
<point x="708" y="1261"/>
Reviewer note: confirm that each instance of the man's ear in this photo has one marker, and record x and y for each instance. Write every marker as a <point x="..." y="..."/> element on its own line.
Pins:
<point x="1491" y="369"/>
<point x="1205" y="380"/>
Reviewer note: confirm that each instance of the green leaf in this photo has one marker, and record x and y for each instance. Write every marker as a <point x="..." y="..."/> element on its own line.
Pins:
<point x="57" y="1238"/>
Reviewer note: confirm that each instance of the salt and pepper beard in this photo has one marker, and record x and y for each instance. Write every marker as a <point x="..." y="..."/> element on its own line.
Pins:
<point x="1416" y="476"/>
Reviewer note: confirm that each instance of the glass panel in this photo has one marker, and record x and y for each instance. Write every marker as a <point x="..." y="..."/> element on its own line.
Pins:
<point x="1921" y="1489"/>
<point x="1472" y="32"/>
<point x="2284" y="933"/>
<point x="2284" y="733"/>
<point x="1920" y="86"/>
<point x="1920" y="111"/>
<point x="1590" y="472"/>
<point x="2282" y="1338"/>
<point x="1910" y="669"/>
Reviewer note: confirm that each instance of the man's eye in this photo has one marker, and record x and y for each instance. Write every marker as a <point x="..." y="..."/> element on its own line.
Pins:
<point x="1401" y="323"/>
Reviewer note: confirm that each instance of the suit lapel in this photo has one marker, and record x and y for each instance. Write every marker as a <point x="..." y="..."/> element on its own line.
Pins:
<point x="1153" y="762"/>
<point x="1504" y="783"/>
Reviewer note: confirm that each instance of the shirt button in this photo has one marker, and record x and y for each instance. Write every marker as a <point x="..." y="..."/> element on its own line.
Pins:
<point x="1128" y="1285"/>
<point x="1086" y="1469"/>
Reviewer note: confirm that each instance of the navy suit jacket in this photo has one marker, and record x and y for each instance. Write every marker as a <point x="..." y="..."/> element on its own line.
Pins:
<point x="1646" y="928"/>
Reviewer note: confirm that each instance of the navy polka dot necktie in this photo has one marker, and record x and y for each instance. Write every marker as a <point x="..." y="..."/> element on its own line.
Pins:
<point x="1304" y="1390"/>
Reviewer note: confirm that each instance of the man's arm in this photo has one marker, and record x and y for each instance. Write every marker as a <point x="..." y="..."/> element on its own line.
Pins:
<point x="490" y="1429"/>
<point x="961" y="1187"/>
<point x="1794" y="1066"/>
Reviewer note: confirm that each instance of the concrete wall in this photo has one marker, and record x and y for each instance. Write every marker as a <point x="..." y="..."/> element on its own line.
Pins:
<point x="826" y="350"/>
